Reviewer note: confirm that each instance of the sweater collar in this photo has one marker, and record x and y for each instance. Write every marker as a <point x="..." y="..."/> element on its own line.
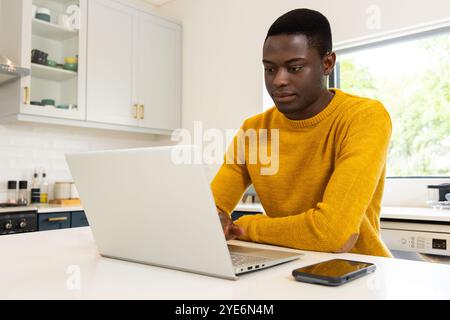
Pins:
<point x="297" y="124"/>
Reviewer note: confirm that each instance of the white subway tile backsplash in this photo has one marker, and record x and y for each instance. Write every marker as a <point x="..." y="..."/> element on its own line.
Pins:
<point x="27" y="147"/>
<point x="21" y="163"/>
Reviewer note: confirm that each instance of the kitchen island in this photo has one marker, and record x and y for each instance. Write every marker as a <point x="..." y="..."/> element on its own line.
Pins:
<point x="65" y="264"/>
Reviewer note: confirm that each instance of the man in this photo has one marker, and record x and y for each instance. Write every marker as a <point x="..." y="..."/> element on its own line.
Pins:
<point x="326" y="195"/>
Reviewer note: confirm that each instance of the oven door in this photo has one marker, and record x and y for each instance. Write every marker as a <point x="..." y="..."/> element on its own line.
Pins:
<point x="18" y="222"/>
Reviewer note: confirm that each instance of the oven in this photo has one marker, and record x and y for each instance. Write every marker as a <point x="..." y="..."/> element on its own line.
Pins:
<point x="421" y="234"/>
<point x="14" y="221"/>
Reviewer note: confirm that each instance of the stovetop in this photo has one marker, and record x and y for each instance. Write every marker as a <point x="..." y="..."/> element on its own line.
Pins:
<point x="17" y="221"/>
<point x="10" y="205"/>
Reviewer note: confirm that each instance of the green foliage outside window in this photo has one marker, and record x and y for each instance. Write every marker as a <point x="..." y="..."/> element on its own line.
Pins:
<point x="418" y="102"/>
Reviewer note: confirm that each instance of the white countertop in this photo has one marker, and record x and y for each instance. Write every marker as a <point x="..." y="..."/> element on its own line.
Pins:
<point x="45" y="265"/>
<point x="42" y="208"/>
<point x="400" y="213"/>
<point x="419" y="214"/>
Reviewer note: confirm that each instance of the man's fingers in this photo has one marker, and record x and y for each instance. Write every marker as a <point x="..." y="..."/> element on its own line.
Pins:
<point x="231" y="233"/>
<point x="230" y="230"/>
<point x="229" y="237"/>
<point x="236" y="231"/>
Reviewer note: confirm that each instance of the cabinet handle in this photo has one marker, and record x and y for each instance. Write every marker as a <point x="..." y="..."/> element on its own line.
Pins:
<point x="57" y="219"/>
<point x="135" y="111"/>
<point x="26" y="95"/>
<point x="141" y="112"/>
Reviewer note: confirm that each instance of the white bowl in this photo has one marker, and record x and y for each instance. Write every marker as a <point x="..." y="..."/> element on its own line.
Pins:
<point x="43" y="11"/>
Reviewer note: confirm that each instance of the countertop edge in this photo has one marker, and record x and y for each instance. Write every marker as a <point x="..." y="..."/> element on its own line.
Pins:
<point x="42" y="209"/>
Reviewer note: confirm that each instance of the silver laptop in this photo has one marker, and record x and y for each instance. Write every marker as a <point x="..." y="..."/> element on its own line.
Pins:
<point x="143" y="206"/>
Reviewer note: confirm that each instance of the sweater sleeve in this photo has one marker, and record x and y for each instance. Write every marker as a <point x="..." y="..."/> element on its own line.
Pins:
<point x="230" y="183"/>
<point x="336" y="220"/>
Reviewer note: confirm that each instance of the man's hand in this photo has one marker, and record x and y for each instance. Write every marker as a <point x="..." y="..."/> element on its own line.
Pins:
<point x="230" y="230"/>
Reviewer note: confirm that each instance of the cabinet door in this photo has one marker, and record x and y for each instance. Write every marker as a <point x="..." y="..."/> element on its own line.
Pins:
<point x="79" y="219"/>
<point x="159" y="72"/>
<point x="111" y="74"/>
<point x="54" y="221"/>
<point x="15" y="43"/>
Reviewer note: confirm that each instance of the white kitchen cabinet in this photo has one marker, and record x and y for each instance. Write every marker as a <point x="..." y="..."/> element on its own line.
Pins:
<point x="159" y="72"/>
<point x="25" y="33"/>
<point x="111" y="85"/>
<point x="134" y="67"/>
<point x="129" y="71"/>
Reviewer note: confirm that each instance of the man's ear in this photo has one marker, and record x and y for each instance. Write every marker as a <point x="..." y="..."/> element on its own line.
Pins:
<point x="328" y="62"/>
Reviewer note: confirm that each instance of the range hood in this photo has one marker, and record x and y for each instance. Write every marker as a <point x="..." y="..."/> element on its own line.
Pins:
<point x="9" y="71"/>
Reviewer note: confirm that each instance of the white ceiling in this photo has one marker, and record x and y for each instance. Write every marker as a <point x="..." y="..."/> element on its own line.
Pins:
<point x="158" y="2"/>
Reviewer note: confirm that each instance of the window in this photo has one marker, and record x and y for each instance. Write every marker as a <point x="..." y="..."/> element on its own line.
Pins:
<point x="411" y="77"/>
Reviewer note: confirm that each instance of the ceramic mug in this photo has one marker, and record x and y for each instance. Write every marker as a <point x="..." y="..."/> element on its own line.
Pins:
<point x="63" y="20"/>
<point x="62" y="190"/>
<point x="34" y="11"/>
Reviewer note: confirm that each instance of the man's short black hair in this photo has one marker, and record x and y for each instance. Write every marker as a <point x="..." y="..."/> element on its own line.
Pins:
<point x="314" y="25"/>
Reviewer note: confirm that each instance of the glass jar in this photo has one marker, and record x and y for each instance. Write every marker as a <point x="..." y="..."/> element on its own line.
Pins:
<point x="23" y="193"/>
<point x="12" y="192"/>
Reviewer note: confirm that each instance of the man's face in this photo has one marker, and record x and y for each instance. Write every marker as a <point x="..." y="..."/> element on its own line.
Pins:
<point x="294" y="72"/>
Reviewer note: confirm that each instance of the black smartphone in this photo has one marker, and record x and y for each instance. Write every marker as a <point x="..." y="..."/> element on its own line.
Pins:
<point x="333" y="272"/>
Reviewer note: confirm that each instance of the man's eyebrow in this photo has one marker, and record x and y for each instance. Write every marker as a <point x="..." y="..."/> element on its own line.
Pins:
<point x="289" y="61"/>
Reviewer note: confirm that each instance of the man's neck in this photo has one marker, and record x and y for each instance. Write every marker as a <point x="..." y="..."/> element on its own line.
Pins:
<point x="315" y="108"/>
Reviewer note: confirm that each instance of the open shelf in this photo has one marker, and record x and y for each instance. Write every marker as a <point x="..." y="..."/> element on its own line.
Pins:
<point x="52" y="31"/>
<point x="50" y="73"/>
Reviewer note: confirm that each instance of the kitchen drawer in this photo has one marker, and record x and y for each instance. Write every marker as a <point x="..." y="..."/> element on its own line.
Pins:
<point x="54" y="221"/>
<point x="79" y="219"/>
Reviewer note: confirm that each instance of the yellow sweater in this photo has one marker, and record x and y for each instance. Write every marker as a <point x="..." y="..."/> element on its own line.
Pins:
<point x="326" y="195"/>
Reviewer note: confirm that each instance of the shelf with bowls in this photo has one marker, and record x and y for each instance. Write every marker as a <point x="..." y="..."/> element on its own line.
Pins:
<point x="51" y="73"/>
<point x="41" y="112"/>
<point x="52" y="31"/>
<point x="55" y="73"/>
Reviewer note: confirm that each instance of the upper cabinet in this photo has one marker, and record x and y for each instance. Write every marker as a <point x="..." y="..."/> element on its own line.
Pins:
<point x="118" y="67"/>
<point x="134" y="67"/>
<point x="159" y="72"/>
<point x="112" y="89"/>
<point x="49" y="34"/>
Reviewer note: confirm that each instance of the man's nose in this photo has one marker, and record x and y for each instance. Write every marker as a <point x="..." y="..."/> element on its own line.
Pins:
<point x="281" y="78"/>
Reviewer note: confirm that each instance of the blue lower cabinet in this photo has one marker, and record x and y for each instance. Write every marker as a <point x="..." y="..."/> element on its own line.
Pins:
<point x="79" y="219"/>
<point x="238" y="214"/>
<point x="54" y="221"/>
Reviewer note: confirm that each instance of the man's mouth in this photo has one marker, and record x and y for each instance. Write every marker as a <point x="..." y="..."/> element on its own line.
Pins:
<point x="284" y="97"/>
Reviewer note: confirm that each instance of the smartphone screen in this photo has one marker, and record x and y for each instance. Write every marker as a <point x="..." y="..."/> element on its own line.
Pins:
<point x="333" y="272"/>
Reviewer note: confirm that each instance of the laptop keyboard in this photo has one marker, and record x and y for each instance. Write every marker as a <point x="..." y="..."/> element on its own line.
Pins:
<point x="243" y="260"/>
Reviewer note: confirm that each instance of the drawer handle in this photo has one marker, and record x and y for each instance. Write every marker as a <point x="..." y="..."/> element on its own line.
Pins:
<point x="57" y="219"/>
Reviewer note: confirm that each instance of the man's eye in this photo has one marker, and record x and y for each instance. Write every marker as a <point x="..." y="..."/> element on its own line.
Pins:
<point x="296" y="68"/>
<point x="269" y="70"/>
